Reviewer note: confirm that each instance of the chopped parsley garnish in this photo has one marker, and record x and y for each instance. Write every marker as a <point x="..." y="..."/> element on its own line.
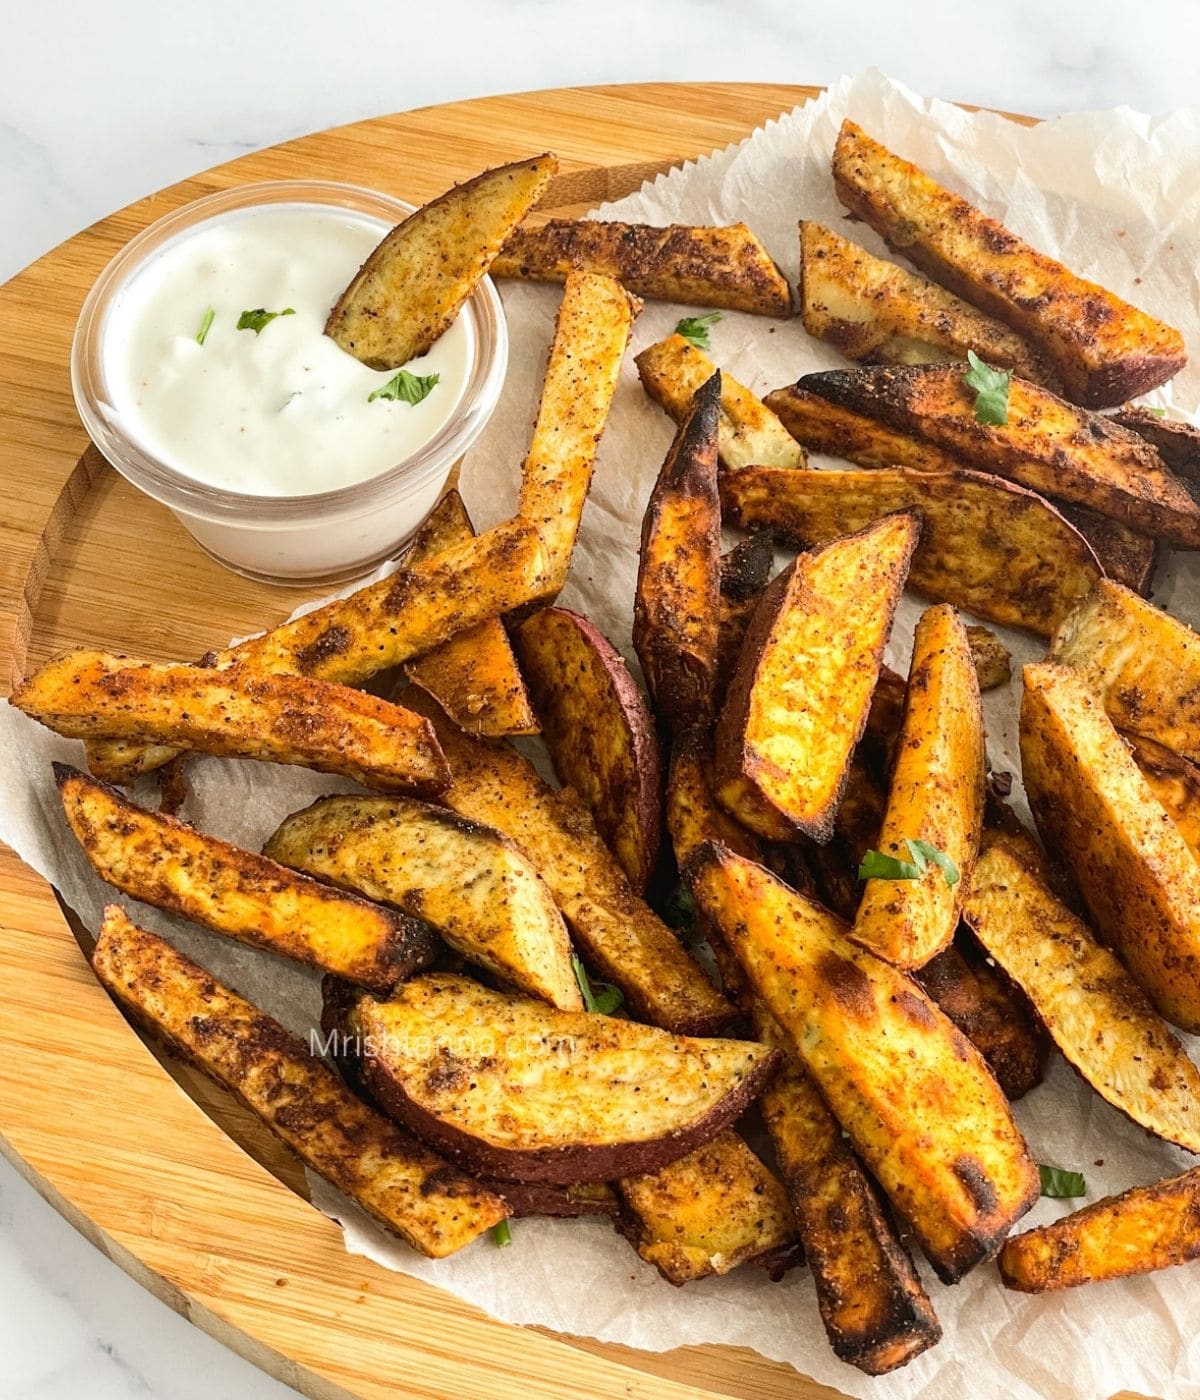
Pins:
<point x="603" y="998"/>
<point x="876" y="865"/>
<point x="210" y="315"/>
<point x="679" y="909"/>
<point x="695" y="328"/>
<point x="1061" y="1185"/>
<point x="991" y="390"/>
<point x="257" y="319"/>
<point x="405" y="387"/>
<point x="502" y="1234"/>
<point x="1158" y="412"/>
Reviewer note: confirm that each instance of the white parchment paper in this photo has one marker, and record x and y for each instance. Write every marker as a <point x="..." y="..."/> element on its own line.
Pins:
<point x="1117" y="195"/>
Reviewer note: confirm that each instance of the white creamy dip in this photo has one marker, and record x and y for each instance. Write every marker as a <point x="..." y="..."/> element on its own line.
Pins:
<point x="284" y="412"/>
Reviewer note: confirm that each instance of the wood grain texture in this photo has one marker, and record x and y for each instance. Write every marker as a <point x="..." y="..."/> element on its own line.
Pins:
<point x="153" y="1164"/>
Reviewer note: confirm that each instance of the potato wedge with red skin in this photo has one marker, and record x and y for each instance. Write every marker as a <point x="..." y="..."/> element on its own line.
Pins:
<point x="676" y="606"/>
<point x="599" y="732"/>
<point x="515" y="1089"/>
<point x="799" y="699"/>
<point x="915" y="1096"/>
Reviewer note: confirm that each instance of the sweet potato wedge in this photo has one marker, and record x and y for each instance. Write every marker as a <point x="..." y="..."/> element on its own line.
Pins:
<point x="919" y="1103"/>
<point x="473" y="675"/>
<point x="1178" y="444"/>
<point x="936" y="798"/>
<point x="993" y="548"/>
<point x="1133" y="868"/>
<point x="993" y="661"/>
<point x="676" y="606"/>
<point x="514" y="1089"/>
<point x="748" y="433"/>
<point x="238" y="713"/>
<point x="468" y="882"/>
<point x="1174" y="781"/>
<point x="162" y="861"/>
<point x="799" y="698"/>
<point x="599" y="732"/>
<point x="1103" y="349"/>
<point x="1091" y="1008"/>
<point x="530" y="1198"/>
<point x="745" y="572"/>
<point x="299" y="1098"/>
<point x="1047" y="444"/>
<point x="1139" y="1231"/>
<point x="725" y="267"/>
<point x="416" y="281"/>
<point x="876" y="1313"/>
<point x="870" y="309"/>
<point x="619" y="937"/>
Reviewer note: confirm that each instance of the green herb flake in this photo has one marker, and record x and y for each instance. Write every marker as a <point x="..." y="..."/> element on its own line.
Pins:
<point x="1061" y="1185"/>
<point x="406" y="387"/>
<point x="602" y="998"/>
<point x="257" y="319"/>
<point x="922" y="853"/>
<point x="210" y="315"/>
<point x="1158" y="412"/>
<point x="679" y="909"/>
<point x="695" y="329"/>
<point x="502" y="1234"/>
<point x="991" y="390"/>
<point x="877" y="866"/>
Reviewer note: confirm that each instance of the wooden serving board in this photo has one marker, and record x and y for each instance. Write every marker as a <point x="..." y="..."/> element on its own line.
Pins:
<point x="160" y="1170"/>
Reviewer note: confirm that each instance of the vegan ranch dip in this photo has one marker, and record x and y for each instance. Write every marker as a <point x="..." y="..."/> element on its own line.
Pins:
<point x="281" y="411"/>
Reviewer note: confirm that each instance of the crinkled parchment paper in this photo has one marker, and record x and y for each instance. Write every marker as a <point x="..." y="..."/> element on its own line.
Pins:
<point x="1117" y="195"/>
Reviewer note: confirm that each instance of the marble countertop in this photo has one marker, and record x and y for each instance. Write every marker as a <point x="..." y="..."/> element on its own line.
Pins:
<point x="94" y="115"/>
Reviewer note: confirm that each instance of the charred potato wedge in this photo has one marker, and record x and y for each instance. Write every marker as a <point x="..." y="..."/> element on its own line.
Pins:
<point x="1133" y="868"/>
<point x="924" y="1114"/>
<point x="993" y="661"/>
<point x="745" y="572"/>
<point x="799" y="698"/>
<point x="1091" y="1008"/>
<point x="465" y="880"/>
<point x="416" y="281"/>
<point x="396" y="1180"/>
<point x="599" y="732"/>
<point x="1174" y="781"/>
<point x="514" y="1089"/>
<point x="1103" y="349"/>
<point x="724" y="267"/>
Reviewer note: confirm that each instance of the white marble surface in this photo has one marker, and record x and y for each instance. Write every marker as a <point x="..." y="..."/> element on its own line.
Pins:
<point x="101" y="104"/>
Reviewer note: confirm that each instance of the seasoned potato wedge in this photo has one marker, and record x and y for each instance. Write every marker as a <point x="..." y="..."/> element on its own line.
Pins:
<point x="1178" y="444"/>
<point x="725" y="267"/>
<point x="876" y="1313"/>
<point x="416" y="281"/>
<point x="162" y="861"/>
<point x="748" y="433"/>
<point x="993" y="661"/>
<point x="467" y="881"/>
<point x="1104" y="350"/>
<point x="517" y="1090"/>
<point x="1092" y="806"/>
<point x="936" y="797"/>
<point x="1174" y="781"/>
<point x="799" y="698"/>
<point x="1142" y="663"/>
<point x="1139" y="1231"/>
<point x="1094" y="1012"/>
<point x="992" y="548"/>
<point x="473" y="675"/>
<point x="391" y="1176"/>
<point x="1125" y="555"/>
<point x="870" y="309"/>
<point x="1047" y="444"/>
<point x="745" y="572"/>
<point x="919" y="1103"/>
<point x="599" y="732"/>
<point x="619" y="937"/>
<point x="238" y="713"/>
<point x="677" y="604"/>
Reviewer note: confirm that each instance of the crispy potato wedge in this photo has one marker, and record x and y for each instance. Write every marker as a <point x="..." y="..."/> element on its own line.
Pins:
<point x="725" y="267"/>
<point x="677" y="602"/>
<point x="1142" y="663"/>
<point x="599" y="732"/>
<point x="416" y="281"/>
<point x="748" y="433"/>
<point x="238" y="713"/>
<point x="1103" y="349"/>
<point x="987" y="546"/>
<point x="619" y="937"/>
<point x="465" y="880"/>
<point x="993" y="661"/>
<point x="1178" y="444"/>
<point x="1091" y="1008"/>
<point x="799" y="698"/>
<point x="1139" y="1231"/>
<point x="1174" y="781"/>
<point x="876" y="1313"/>
<point x="916" y="1097"/>
<point x="870" y="309"/>
<point x="1047" y="444"/>
<point x="473" y="675"/>
<point x="515" y="1089"/>
<point x="1133" y="868"/>
<point x="709" y="1212"/>
<point x="936" y="797"/>
<point x="391" y="1176"/>
<point x="162" y="861"/>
